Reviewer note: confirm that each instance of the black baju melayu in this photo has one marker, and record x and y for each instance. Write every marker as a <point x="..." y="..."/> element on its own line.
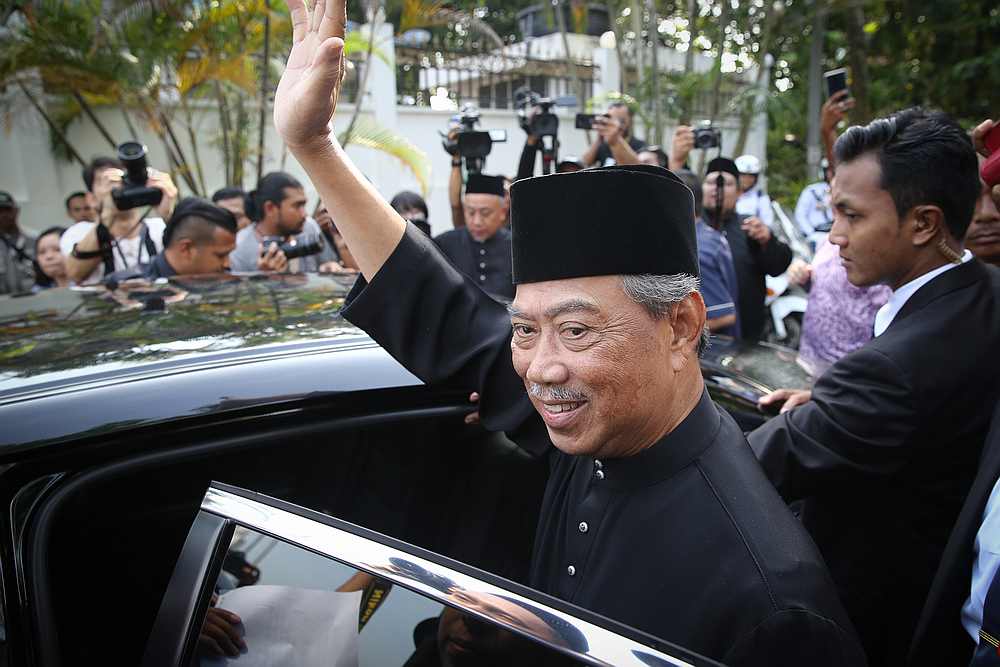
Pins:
<point x="487" y="262"/>
<point x="687" y="540"/>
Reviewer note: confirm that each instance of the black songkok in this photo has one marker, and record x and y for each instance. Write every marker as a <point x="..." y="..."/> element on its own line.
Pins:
<point x="486" y="185"/>
<point x="724" y="165"/>
<point x="628" y="219"/>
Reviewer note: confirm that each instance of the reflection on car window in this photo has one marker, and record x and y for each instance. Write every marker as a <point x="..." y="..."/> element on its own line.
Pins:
<point x="278" y="604"/>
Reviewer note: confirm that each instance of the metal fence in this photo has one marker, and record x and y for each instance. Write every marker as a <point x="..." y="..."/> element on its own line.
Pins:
<point x="488" y="80"/>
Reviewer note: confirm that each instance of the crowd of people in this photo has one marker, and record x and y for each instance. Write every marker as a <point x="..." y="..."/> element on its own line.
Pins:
<point x="859" y="525"/>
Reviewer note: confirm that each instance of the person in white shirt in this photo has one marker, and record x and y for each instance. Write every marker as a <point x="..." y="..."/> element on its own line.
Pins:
<point x="753" y="201"/>
<point x="131" y="240"/>
<point x="813" y="211"/>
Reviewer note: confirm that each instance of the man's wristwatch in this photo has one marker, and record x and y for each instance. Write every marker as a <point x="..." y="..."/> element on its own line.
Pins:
<point x="456" y="163"/>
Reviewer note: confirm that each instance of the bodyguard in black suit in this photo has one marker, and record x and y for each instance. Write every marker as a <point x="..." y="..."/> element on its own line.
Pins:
<point x="885" y="451"/>
<point x="940" y="638"/>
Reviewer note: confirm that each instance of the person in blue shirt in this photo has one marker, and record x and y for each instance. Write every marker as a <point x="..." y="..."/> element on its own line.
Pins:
<point x="715" y="260"/>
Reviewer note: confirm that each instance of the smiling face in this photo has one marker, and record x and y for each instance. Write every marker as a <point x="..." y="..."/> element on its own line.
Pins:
<point x="601" y="372"/>
<point x="875" y="247"/>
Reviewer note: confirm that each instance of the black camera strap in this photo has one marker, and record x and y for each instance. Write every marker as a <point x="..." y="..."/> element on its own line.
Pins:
<point x="21" y="255"/>
<point x="145" y="241"/>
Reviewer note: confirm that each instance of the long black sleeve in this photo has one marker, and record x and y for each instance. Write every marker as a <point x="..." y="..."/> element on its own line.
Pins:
<point x="857" y="427"/>
<point x="526" y="167"/>
<point x="773" y="257"/>
<point x="444" y="329"/>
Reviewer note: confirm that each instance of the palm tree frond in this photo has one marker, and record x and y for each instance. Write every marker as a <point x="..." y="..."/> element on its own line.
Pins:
<point x="370" y="134"/>
<point x="356" y="43"/>
<point x="430" y="13"/>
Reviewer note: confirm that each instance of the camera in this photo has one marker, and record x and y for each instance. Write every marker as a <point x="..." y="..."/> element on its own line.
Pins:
<point x="293" y="248"/>
<point x="535" y="117"/>
<point x="544" y="123"/>
<point x="707" y="137"/>
<point x="133" y="192"/>
<point x="471" y="144"/>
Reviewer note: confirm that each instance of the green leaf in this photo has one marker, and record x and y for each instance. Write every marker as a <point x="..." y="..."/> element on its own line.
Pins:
<point x="871" y="27"/>
<point x="370" y="134"/>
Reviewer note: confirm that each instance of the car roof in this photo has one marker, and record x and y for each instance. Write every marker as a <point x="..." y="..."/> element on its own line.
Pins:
<point x="79" y="360"/>
<point x="61" y="336"/>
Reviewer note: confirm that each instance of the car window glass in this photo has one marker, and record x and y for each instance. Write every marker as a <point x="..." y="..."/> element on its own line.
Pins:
<point x="299" y="608"/>
<point x="432" y="482"/>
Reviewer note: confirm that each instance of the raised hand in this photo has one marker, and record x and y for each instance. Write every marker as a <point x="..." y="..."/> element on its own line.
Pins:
<point x="310" y="86"/>
<point x="835" y="110"/>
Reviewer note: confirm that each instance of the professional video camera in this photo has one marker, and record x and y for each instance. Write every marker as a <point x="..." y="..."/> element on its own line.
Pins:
<point x="471" y="144"/>
<point x="706" y="136"/>
<point x="535" y="117"/>
<point x="293" y="248"/>
<point x="133" y="192"/>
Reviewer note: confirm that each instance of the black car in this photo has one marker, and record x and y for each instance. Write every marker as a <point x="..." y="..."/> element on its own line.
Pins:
<point x="168" y="447"/>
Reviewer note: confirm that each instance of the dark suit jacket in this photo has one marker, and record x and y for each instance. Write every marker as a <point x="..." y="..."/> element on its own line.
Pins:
<point x="940" y="638"/>
<point x="753" y="262"/>
<point x="885" y="452"/>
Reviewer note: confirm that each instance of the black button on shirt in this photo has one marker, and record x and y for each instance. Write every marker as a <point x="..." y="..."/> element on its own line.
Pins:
<point x="486" y="262"/>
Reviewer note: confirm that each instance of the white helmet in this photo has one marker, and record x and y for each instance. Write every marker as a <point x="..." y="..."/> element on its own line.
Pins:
<point x="748" y="164"/>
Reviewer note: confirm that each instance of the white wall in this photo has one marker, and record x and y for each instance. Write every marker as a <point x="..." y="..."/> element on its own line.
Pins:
<point x="40" y="182"/>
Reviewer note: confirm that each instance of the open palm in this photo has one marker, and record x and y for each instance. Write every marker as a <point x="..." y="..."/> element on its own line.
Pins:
<point x="310" y="86"/>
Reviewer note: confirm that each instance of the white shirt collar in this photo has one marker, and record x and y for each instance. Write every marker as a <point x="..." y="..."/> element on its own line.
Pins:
<point x="887" y="313"/>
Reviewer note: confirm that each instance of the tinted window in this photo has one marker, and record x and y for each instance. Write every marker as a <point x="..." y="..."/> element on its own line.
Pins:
<point x="432" y="482"/>
<point x="296" y="606"/>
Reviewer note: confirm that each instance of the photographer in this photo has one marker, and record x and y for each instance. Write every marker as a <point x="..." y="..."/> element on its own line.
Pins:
<point x="615" y="143"/>
<point x="756" y="252"/>
<point x="279" y="214"/>
<point x="121" y="239"/>
<point x="455" y="183"/>
<point x="532" y="146"/>
<point x="654" y="156"/>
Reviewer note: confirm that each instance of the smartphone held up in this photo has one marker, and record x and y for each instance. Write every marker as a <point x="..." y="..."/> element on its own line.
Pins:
<point x="836" y="81"/>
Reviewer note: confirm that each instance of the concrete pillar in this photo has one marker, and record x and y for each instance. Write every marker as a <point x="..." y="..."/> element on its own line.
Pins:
<point x="380" y="97"/>
<point x="610" y="72"/>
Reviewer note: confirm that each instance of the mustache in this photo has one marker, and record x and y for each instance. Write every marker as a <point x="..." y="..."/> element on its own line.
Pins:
<point x="554" y="393"/>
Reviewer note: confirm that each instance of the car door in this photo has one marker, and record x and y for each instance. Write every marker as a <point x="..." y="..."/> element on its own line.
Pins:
<point x="310" y="589"/>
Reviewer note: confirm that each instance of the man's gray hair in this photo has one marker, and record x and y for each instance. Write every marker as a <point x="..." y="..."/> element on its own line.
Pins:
<point x="659" y="294"/>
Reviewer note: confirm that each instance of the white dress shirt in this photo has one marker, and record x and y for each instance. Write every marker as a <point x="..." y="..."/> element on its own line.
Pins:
<point x="813" y="209"/>
<point x="755" y="203"/>
<point x="887" y="313"/>
<point x="987" y="552"/>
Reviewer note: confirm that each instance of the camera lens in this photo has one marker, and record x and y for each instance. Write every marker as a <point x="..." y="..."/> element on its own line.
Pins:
<point x="131" y="150"/>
